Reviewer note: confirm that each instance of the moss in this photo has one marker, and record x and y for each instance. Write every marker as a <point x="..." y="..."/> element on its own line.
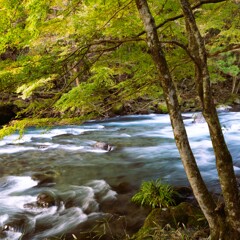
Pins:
<point x="162" y="108"/>
<point x="20" y="103"/>
<point x="185" y="215"/>
<point x="118" y="108"/>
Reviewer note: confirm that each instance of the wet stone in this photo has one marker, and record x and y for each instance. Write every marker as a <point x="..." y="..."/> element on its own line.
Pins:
<point x="103" y="146"/>
<point x="46" y="178"/>
<point x="44" y="200"/>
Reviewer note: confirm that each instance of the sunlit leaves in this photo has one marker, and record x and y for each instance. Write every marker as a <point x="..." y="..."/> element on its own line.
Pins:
<point x="98" y="43"/>
<point x="12" y="19"/>
<point x="27" y="89"/>
<point x="37" y="13"/>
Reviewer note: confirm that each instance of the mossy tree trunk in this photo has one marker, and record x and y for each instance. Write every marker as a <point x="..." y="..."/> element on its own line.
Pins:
<point x="224" y="161"/>
<point x="215" y="219"/>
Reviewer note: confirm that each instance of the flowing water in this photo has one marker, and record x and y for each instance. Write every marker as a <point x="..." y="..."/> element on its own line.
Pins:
<point x="143" y="149"/>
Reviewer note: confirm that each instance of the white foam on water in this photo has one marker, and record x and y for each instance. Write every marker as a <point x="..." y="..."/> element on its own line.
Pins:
<point x="12" y="203"/>
<point x="223" y="108"/>
<point x="150" y="119"/>
<point x="15" y="139"/>
<point x="14" y="184"/>
<point x="232" y="137"/>
<point x="62" y="221"/>
<point x="61" y="218"/>
<point x="12" y="235"/>
<point x="201" y="144"/>
<point x="161" y="118"/>
<point x="102" y="188"/>
<point x="96" y="150"/>
<point x="162" y="132"/>
<point x="124" y="135"/>
<point x="85" y="197"/>
<point x="3" y="219"/>
<point x="56" y="132"/>
<point x="71" y="147"/>
<point x="29" y="135"/>
<point x="197" y="130"/>
<point x="15" y="149"/>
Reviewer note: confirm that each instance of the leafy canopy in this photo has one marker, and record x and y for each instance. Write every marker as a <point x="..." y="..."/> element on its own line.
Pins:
<point x="90" y="55"/>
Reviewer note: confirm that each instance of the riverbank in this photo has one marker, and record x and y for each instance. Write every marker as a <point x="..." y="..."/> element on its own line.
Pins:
<point x="14" y="108"/>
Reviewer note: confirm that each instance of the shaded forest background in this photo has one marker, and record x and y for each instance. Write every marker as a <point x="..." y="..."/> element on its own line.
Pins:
<point x="89" y="59"/>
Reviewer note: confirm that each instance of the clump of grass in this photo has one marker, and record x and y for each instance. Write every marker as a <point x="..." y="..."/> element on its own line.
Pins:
<point x="154" y="194"/>
<point x="170" y="233"/>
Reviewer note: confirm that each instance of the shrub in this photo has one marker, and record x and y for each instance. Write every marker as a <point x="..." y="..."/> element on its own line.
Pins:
<point x="154" y="194"/>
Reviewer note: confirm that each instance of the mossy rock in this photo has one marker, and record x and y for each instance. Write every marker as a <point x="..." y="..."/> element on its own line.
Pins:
<point x="185" y="214"/>
<point x="118" y="108"/>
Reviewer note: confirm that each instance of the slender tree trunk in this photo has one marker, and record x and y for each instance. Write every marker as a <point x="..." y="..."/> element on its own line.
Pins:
<point x="223" y="157"/>
<point x="201" y="193"/>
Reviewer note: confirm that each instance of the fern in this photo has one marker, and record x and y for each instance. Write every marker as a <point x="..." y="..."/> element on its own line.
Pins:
<point x="154" y="194"/>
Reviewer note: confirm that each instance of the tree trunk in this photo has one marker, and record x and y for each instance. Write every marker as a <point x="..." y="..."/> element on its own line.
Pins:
<point x="201" y="193"/>
<point x="223" y="157"/>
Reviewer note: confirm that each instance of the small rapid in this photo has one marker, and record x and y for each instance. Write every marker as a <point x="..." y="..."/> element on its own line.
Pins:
<point x="63" y="164"/>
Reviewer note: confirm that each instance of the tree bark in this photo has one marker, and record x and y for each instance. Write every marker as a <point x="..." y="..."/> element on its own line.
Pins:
<point x="224" y="161"/>
<point x="201" y="193"/>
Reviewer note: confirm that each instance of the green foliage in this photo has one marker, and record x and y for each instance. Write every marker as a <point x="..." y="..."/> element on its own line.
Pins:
<point x="154" y="194"/>
<point x="162" y="107"/>
<point x="20" y="126"/>
<point x="48" y="44"/>
<point x="229" y="65"/>
<point x="27" y="89"/>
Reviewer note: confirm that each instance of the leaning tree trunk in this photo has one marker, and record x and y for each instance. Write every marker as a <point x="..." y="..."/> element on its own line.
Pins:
<point x="223" y="157"/>
<point x="201" y="193"/>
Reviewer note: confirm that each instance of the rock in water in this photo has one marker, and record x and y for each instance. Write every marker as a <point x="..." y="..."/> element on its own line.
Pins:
<point x="198" y="118"/>
<point x="103" y="146"/>
<point x="44" y="200"/>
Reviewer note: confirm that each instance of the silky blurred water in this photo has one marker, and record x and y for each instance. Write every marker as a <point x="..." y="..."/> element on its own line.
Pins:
<point x="143" y="149"/>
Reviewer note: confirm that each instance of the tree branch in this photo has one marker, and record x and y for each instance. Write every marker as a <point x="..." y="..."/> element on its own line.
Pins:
<point x="229" y="48"/>
<point x="197" y="5"/>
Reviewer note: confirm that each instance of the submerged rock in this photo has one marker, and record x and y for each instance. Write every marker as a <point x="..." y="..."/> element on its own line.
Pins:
<point x="46" y="178"/>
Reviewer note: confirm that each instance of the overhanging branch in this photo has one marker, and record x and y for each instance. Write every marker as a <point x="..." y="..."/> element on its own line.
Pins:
<point x="197" y="5"/>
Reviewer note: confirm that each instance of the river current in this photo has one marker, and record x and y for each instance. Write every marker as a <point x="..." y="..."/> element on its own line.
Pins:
<point x="84" y="176"/>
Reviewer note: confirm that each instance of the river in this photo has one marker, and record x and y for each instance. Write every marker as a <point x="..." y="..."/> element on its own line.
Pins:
<point x="83" y="176"/>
